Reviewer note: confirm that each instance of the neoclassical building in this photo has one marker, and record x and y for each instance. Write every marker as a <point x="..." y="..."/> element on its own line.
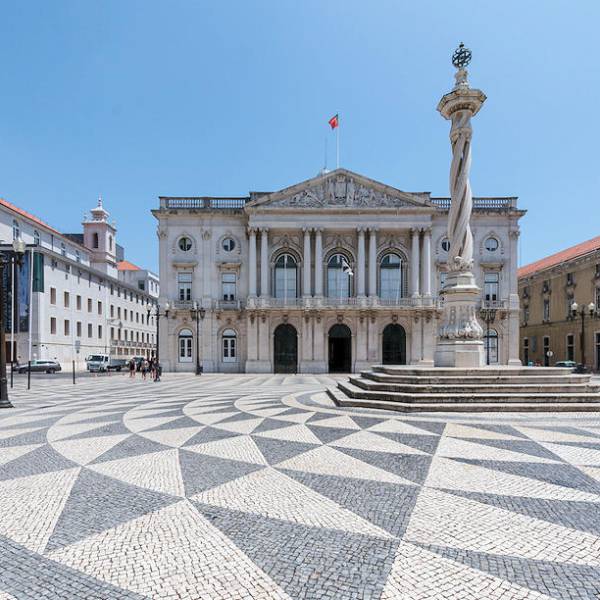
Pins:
<point x="332" y="274"/>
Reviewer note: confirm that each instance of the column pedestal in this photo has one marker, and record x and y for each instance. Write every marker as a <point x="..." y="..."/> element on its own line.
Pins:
<point x="460" y="343"/>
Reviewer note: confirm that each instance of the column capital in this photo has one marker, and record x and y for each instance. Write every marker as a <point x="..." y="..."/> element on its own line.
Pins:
<point x="373" y="229"/>
<point x="318" y="230"/>
<point x="307" y="230"/>
<point x="426" y="230"/>
<point x="264" y="230"/>
<point x="361" y="229"/>
<point x="251" y="230"/>
<point x="415" y="231"/>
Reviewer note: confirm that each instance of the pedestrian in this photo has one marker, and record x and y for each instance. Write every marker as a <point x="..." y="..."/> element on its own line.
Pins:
<point x="132" y="368"/>
<point x="144" y="368"/>
<point x="151" y="367"/>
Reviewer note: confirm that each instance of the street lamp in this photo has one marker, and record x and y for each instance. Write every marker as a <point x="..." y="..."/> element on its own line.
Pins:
<point x="156" y="313"/>
<point x="583" y="311"/>
<point x="6" y="258"/>
<point x="199" y="313"/>
<point x="488" y="314"/>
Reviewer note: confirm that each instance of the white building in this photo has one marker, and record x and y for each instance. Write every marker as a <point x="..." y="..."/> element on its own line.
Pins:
<point x="332" y="274"/>
<point x="71" y="296"/>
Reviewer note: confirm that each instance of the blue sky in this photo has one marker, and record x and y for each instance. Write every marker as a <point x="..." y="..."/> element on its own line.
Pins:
<point x="136" y="99"/>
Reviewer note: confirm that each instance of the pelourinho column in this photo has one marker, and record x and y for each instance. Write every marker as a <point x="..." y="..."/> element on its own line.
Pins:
<point x="460" y="336"/>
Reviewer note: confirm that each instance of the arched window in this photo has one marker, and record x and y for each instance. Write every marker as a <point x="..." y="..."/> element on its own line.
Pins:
<point x="36" y="237"/>
<point x="229" y="345"/>
<point x="391" y="277"/>
<point x="491" y="346"/>
<point x="339" y="277"/>
<point x="16" y="229"/>
<point x="286" y="272"/>
<point x="95" y="241"/>
<point x="185" y="345"/>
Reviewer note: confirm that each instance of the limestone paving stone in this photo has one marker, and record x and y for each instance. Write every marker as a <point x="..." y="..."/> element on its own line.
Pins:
<point x="259" y="487"/>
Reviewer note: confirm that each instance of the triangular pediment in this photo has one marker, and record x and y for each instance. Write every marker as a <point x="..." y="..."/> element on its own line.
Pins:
<point x="340" y="189"/>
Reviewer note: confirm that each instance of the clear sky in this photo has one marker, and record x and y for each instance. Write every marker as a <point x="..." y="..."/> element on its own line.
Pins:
<point x="136" y="99"/>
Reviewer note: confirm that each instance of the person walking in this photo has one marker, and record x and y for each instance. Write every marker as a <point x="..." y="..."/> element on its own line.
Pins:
<point x="144" y="368"/>
<point x="132" y="368"/>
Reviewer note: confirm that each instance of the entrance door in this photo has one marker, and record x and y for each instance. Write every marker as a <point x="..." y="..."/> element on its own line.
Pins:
<point x="394" y="345"/>
<point x="285" y="349"/>
<point x="340" y="349"/>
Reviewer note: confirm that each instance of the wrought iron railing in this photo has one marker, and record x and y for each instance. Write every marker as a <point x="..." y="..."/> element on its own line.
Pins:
<point x="203" y="203"/>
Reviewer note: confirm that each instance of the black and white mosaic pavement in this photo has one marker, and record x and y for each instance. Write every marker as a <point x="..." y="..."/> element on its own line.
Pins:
<point x="258" y="487"/>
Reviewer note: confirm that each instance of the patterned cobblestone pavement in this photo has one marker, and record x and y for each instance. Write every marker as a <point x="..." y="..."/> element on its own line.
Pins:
<point x="258" y="487"/>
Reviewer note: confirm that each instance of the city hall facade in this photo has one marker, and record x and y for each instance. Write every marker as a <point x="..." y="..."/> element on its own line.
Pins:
<point x="332" y="274"/>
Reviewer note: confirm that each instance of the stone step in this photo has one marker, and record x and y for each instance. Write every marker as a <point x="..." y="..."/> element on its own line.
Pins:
<point x="487" y="387"/>
<point x="474" y="372"/>
<point x="343" y="400"/>
<point x="474" y="380"/>
<point x="356" y="392"/>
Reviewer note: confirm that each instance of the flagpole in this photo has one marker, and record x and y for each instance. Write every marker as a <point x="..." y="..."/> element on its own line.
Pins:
<point x="337" y="143"/>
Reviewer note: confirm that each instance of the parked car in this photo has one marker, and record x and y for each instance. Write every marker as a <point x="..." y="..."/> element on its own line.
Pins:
<point x="569" y="364"/>
<point x="40" y="366"/>
<point x="100" y="363"/>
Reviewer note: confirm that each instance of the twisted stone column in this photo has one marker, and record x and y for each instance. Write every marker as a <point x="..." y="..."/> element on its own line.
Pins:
<point x="460" y="334"/>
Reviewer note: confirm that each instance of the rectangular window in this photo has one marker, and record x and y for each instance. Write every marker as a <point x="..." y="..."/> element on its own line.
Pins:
<point x="491" y="285"/>
<point x="229" y="349"/>
<point x="89" y="305"/>
<point x="546" y="351"/>
<point x="78" y="302"/>
<point x="570" y="347"/>
<point x="112" y="333"/>
<point x="78" y="329"/>
<point x="66" y="299"/>
<point x="99" y="307"/>
<point x="546" y="309"/>
<point x="526" y="352"/>
<point x="38" y="272"/>
<point x="597" y="297"/>
<point x="99" y="332"/>
<point x="52" y="325"/>
<point x="184" y="283"/>
<point x="52" y="295"/>
<point x="141" y="286"/>
<point x="89" y="330"/>
<point x="597" y="344"/>
<point x="67" y="327"/>
<point x="124" y="314"/>
<point x="228" y="283"/>
<point x="112" y="311"/>
<point x="118" y="312"/>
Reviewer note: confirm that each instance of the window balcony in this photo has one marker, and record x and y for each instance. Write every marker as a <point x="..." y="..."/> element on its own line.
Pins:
<point x="493" y="304"/>
<point x="229" y="305"/>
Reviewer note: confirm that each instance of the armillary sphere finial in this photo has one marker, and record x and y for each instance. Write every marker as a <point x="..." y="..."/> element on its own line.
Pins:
<point x="461" y="57"/>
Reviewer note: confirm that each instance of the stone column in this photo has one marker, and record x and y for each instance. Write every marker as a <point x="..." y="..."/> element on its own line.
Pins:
<point x="373" y="262"/>
<point x="264" y="263"/>
<point x="252" y="262"/>
<point x="426" y="263"/>
<point x="318" y="262"/>
<point x="361" y="262"/>
<point x="460" y="336"/>
<point x="514" y="310"/>
<point x="306" y="261"/>
<point x="414" y="263"/>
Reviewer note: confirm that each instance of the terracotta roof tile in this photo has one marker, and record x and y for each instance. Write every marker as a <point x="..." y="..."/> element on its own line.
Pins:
<point x="27" y="215"/>
<point x="560" y="257"/>
<point x="125" y="265"/>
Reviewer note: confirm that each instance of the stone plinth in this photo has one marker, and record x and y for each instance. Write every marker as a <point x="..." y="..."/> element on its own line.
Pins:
<point x="459" y="343"/>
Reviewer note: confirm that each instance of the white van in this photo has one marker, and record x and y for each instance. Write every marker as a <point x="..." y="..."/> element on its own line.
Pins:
<point x="99" y="363"/>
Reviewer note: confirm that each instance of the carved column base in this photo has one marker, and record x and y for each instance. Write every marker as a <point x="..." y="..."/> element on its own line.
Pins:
<point x="460" y="336"/>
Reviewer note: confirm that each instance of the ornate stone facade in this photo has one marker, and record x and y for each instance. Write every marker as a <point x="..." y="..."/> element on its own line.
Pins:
<point x="334" y="273"/>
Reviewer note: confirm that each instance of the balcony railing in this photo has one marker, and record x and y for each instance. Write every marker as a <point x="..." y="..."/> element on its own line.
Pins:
<point x="203" y="203"/>
<point x="229" y="305"/>
<point x="479" y="203"/>
<point x="493" y="304"/>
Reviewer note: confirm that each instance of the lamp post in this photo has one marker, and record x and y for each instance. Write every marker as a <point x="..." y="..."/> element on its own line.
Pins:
<point x="199" y="313"/>
<point x="7" y="258"/>
<point x="488" y="314"/>
<point x="583" y="311"/>
<point x="156" y="313"/>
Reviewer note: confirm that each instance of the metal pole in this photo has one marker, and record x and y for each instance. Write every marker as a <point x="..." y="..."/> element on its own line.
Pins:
<point x="12" y="371"/>
<point x="73" y="372"/>
<point x="157" y="372"/>
<point x="4" y="401"/>
<point x="28" y="374"/>
<point x="582" y="342"/>
<point x="487" y="338"/>
<point x="197" y="342"/>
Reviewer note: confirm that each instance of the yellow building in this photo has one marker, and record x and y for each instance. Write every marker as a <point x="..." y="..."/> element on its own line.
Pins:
<point x="550" y="331"/>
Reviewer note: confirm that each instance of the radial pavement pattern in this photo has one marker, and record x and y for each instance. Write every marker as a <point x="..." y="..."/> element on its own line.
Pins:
<point x="258" y="487"/>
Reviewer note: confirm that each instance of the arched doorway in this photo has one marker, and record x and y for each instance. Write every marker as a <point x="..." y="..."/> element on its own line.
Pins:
<point x="285" y="349"/>
<point x="394" y="345"/>
<point x="340" y="349"/>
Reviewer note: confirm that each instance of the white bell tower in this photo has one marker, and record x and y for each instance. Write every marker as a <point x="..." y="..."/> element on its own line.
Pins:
<point x="99" y="236"/>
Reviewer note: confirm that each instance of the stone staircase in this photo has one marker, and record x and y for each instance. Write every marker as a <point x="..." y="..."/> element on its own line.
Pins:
<point x="486" y="389"/>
